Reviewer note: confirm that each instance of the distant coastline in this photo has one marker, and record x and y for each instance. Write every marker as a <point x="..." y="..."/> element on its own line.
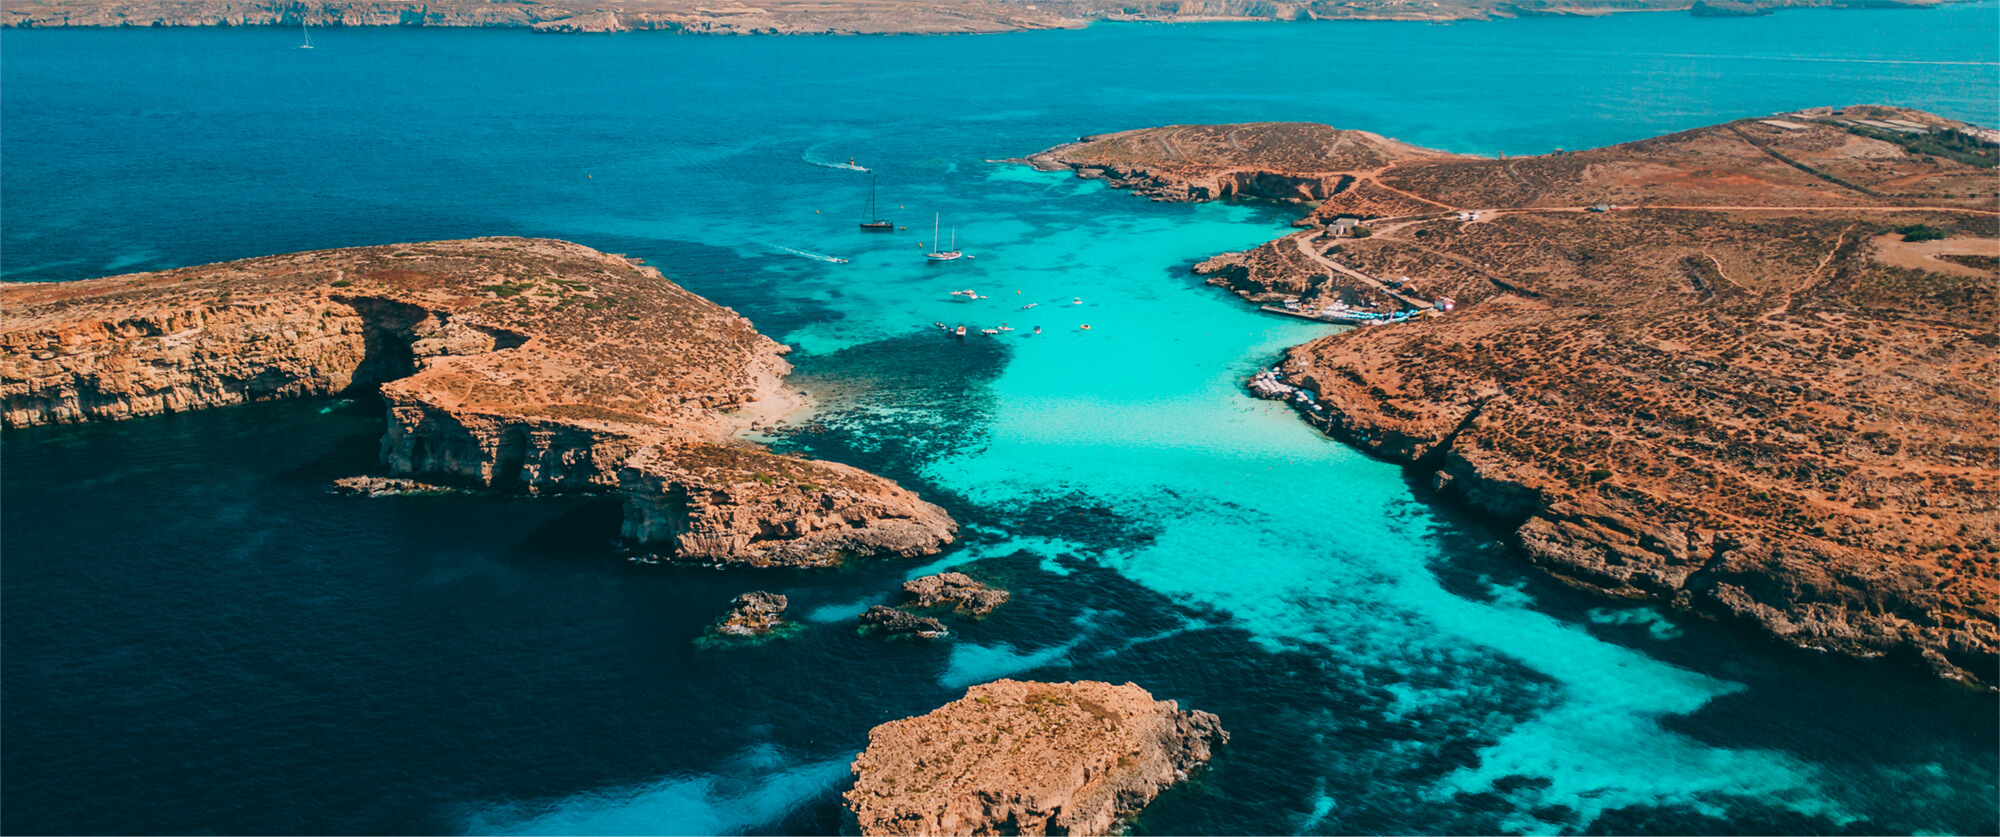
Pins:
<point x="865" y="17"/>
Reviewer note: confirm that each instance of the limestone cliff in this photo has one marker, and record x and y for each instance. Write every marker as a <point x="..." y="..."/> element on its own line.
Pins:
<point x="1017" y="757"/>
<point x="509" y="363"/>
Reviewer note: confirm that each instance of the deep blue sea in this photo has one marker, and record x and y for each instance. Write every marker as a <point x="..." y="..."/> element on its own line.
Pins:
<point x="196" y="638"/>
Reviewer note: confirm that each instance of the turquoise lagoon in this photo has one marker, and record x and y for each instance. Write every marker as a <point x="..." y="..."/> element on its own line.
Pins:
<point x="197" y="638"/>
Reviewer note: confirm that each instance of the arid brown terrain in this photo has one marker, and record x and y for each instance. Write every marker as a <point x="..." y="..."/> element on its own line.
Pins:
<point x="843" y="17"/>
<point x="1748" y="369"/>
<point x="510" y="363"/>
<point x="1016" y="757"/>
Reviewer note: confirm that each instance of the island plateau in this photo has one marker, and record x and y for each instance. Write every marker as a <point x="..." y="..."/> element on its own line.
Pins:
<point x="1747" y="369"/>
<point x="506" y="363"/>
<point x="1016" y="757"/>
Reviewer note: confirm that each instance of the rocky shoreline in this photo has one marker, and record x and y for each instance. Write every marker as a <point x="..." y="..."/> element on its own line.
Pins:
<point x="1016" y="757"/>
<point x="524" y="365"/>
<point x="1703" y="368"/>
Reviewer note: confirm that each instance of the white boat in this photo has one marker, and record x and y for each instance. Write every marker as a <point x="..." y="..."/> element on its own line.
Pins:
<point x="309" y="36"/>
<point x="937" y="255"/>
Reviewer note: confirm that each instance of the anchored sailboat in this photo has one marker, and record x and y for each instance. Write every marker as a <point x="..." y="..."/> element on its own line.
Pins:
<point x="309" y="36"/>
<point x="937" y="255"/>
<point x="875" y="222"/>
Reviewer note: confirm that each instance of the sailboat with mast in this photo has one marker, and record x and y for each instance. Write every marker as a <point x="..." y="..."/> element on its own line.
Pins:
<point x="937" y="255"/>
<point x="874" y="222"/>
<point x="309" y="36"/>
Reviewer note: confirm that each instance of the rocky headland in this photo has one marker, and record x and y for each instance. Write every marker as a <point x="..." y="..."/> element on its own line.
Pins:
<point x="1746" y="369"/>
<point x="506" y="363"/>
<point x="835" y="17"/>
<point x="1017" y="757"/>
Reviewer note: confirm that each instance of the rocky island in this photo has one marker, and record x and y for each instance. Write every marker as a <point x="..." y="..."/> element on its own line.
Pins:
<point x="1016" y="757"/>
<point x="508" y="363"/>
<point x="1747" y="369"/>
<point x="956" y="591"/>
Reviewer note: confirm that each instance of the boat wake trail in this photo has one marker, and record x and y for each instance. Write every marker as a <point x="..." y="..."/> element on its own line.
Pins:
<point x="810" y="254"/>
<point x="848" y="166"/>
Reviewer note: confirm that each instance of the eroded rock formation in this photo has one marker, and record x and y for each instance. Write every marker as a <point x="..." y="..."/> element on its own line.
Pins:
<point x="752" y="614"/>
<point x="1715" y="368"/>
<point x="507" y="363"/>
<point x="1282" y="161"/>
<point x="956" y="591"/>
<point x="890" y="622"/>
<point x="1016" y="757"/>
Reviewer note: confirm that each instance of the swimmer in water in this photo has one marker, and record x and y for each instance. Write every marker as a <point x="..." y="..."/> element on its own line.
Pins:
<point x="1038" y="329"/>
<point x="1086" y="326"/>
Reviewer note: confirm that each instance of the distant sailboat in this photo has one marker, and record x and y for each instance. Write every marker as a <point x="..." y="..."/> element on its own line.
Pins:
<point x="309" y="36"/>
<point x="937" y="255"/>
<point x="875" y="223"/>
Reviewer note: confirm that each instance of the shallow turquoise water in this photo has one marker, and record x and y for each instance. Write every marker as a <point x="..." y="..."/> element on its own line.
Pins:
<point x="196" y="639"/>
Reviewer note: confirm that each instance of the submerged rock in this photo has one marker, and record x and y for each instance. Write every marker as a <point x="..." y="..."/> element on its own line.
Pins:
<point x="388" y="487"/>
<point x="1016" y="757"/>
<point x="892" y="622"/>
<point x="754" y="614"/>
<point x="954" y="590"/>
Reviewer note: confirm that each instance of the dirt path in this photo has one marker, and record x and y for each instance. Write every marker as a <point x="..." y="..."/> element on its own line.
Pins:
<point x="1304" y="241"/>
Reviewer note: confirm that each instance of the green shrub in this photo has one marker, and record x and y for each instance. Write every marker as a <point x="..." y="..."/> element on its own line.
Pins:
<point x="1920" y="232"/>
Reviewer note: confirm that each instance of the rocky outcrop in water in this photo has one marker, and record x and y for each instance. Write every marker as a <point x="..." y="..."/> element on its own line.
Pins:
<point x="1016" y="757"/>
<point x="506" y="363"/>
<point x="739" y="504"/>
<point x="954" y="590"/>
<point x="890" y="622"/>
<point x="753" y="614"/>
<point x="1703" y="368"/>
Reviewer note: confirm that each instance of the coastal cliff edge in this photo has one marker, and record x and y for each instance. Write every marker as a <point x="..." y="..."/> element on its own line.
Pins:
<point x="517" y="364"/>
